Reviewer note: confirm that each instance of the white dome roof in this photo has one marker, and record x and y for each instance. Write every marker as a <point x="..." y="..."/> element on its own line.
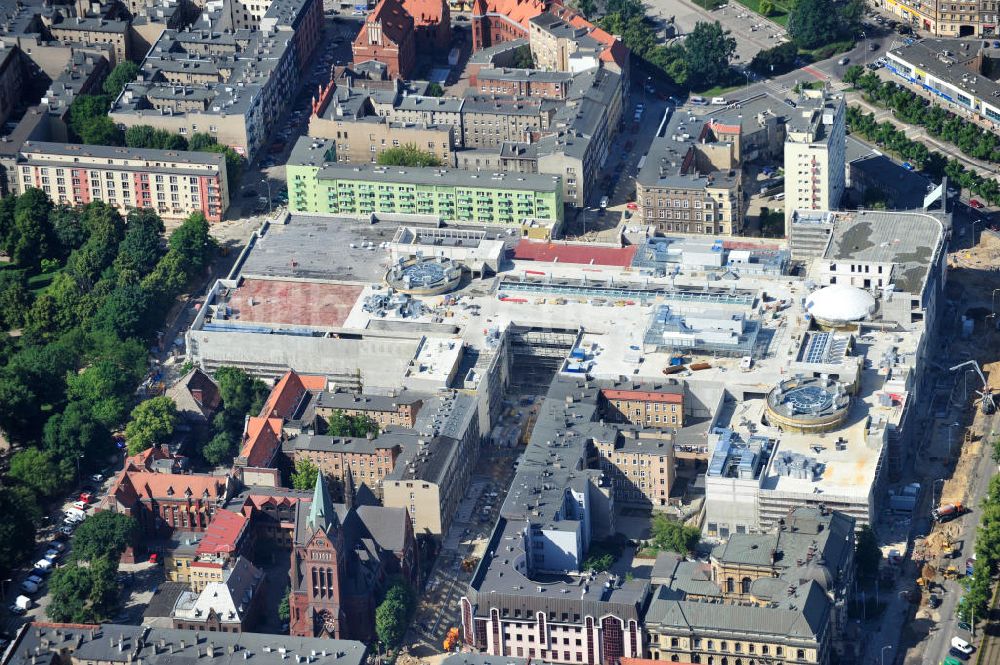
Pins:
<point x="840" y="303"/>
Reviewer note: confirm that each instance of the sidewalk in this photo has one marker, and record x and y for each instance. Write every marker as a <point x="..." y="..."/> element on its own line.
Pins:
<point x="984" y="169"/>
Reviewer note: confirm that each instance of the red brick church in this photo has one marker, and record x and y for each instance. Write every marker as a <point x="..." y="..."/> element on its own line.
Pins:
<point x="343" y="559"/>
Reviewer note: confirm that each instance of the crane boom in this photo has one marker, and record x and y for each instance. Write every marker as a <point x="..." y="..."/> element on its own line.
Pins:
<point x="986" y="403"/>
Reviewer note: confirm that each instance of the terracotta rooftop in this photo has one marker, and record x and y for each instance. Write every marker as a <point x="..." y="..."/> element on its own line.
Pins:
<point x="644" y="395"/>
<point x="528" y="250"/>
<point x="222" y="534"/>
<point x="425" y="12"/>
<point x="263" y="438"/>
<point x="396" y="22"/>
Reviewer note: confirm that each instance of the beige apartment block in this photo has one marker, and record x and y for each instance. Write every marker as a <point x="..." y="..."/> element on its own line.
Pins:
<point x="365" y="139"/>
<point x="814" y="154"/>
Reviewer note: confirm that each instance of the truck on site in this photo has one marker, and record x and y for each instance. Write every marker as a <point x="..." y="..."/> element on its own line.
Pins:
<point x="946" y="512"/>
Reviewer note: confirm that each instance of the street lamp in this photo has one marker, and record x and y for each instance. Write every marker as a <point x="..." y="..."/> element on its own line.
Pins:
<point x="864" y="58"/>
<point x="267" y="181"/>
<point x="974" y="222"/>
<point x="933" y="485"/>
<point x="951" y="439"/>
<point x="882" y="654"/>
<point x="746" y="72"/>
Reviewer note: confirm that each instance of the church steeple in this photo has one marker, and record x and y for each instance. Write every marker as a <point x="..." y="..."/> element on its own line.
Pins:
<point x="349" y="490"/>
<point x="321" y="514"/>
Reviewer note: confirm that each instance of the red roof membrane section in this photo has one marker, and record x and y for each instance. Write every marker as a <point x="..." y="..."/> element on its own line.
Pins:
<point x="551" y="252"/>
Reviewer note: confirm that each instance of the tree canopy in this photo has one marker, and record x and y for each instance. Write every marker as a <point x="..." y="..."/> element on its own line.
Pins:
<point x="304" y="476"/>
<point x="17" y="528"/>
<point x="84" y="593"/>
<point x="342" y="424"/>
<point x="867" y="554"/>
<point x="774" y="61"/>
<point x="152" y="422"/>
<point x="408" y="155"/>
<point x="393" y="614"/>
<point x="40" y="471"/>
<point x="674" y="536"/>
<point x="123" y="74"/>
<point x="708" y="50"/>
<point x="104" y="534"/>
<point x="815" y="23"/>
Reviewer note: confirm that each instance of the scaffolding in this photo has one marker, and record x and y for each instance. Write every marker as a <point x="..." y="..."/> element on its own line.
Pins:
<point x="637" y="293"/>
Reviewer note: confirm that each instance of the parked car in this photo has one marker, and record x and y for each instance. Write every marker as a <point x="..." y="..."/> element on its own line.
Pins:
<point x="961" y="645"/>
<point x="36" y="579"/>
<point x="908" y="166"/>
<point x="97" y="478"/>
<point x="843" y="61"/>
<point x="955" y="653"/>
<point x="934" y="601"/>
<point x="66" y="529"/>
<point x="80" y="505"/>
<point x="975" y="203"/>
<point x="28" y="586"/>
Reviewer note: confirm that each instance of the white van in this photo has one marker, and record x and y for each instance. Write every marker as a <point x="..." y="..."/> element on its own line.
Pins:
<point x="718" y="101"/>
<point x="43" y="565"/>
<point x="76" y="514"/>
<point x="961" y="645"/>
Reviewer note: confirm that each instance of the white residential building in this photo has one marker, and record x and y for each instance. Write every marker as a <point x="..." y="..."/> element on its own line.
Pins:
<point x="814" y="153"/>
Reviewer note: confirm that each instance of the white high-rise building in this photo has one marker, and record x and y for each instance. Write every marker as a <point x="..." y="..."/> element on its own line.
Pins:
<point x="814" y="153"/>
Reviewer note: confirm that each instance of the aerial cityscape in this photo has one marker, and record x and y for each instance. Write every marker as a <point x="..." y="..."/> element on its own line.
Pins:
<point x="499" y="332"/>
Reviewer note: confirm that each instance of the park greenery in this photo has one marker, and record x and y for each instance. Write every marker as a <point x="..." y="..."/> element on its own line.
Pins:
<point x="602" y="555"/>
<point x="393" y="614"/>
<point x="979" y="586"/>
<point x="85" y="589"/>
<point x="775" y="61"/>
<point x="408" y="155"/>
<point x="87" y="292"/>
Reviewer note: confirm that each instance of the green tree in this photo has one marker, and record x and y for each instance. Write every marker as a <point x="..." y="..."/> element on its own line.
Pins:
<point x="67" y="229"/>
<point x="995" y="452"/>
<point x="14" y="299"/>
<point x="304" y="476"/>
<point x="220" y="450"/>
<point x="408" y="155"/>
<point x="284" y="611"/>
<point x="140" y="249"/>
<point x="708" y="49"/>
<point x="522" y="58"/>
<point x="586" y="7"/>
<point x="192" y="242"/>
<point x="674" y="536"/>
<point x="867" y="554"/>
<point x="342" y="424"/>
<point x="123" y="74"/>
<point x="598" y="564"/>
<point x="84" y="593"/>
<point x="39" y="471"/>
<point x="393" y="614"/>
<point x="434" y="89"/>
<point x="75" y="434"/>
<point x="853" y="74"/>
<point x="242" y="395"/>
<point x="198" y="142"/>
<point x="813" y="23"/>
<point x="774" y="61"/>
<point x="234" y="162"/>
<point x="144" y="136"/>
<point x="105" y="534"/>
<point x="152" y="422"/>
<point x="20" y="409"/>
<point x="17" y="528"/>
<point x="127" y="312"/>
<point x="765" y="7"/>
<point x="29" y="237"/>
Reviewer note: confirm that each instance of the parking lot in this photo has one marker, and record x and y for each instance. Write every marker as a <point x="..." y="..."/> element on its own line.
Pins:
<point x="53" y="542"/>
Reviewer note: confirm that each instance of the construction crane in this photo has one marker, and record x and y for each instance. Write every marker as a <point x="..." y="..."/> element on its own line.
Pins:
<point x="986" y="404"/>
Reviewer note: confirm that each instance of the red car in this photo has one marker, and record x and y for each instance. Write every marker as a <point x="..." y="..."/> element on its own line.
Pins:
<point x="632" y="205"/>
<point x="86" y="497"/>
<point x="976" y="204"/>
<point x="154" y="558"/>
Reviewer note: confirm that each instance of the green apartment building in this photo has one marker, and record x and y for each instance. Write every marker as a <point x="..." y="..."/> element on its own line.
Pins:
<point x="317" y="184"/>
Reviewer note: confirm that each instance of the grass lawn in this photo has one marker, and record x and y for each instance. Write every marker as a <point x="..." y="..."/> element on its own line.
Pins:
<point x="779" y="15"/>
<point x="830" y="50"/>
<point x="718" y="91"/>
<point x="38" y="283"/>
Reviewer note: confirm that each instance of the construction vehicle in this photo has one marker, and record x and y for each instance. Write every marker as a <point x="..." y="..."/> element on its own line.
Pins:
<point x="950" y="573"/>
<point x="946" y="512"/>
<point x="986" y="403"/>
<point x="451" y="639"/>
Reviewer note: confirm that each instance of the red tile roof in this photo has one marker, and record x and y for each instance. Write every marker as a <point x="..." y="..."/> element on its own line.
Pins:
<point x="223" y="534"/>
<point x="174" y="486"/>
<point x="529" y="250"/>
<point x="286" y="395"/>
<point x="396" y="22"/>
<point x="262" y="440"/>
<point x="425" y="12"/>
<point x="644" y="395"/>
<point x="519" y="11"/>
